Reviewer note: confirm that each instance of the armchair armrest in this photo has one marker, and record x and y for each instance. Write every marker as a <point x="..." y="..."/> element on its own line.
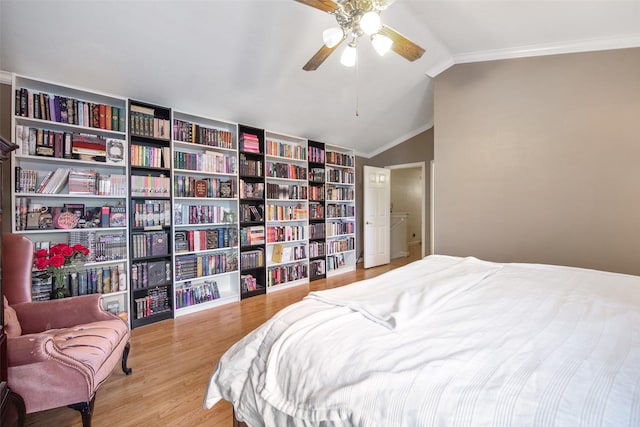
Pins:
<point x="27" y="349"/>
<point x="40" y="316"/>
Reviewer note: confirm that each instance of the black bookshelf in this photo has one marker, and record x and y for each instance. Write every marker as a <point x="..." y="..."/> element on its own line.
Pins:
<point x="317" y="227"/>
<point x="251" y="215"/>
<point x="151" y="218"/>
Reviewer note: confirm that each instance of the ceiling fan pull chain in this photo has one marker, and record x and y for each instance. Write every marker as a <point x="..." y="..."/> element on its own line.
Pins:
<point x="357" y="87"/>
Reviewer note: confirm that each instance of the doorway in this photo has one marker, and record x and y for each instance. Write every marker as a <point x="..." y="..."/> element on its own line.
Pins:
<point x="408" y="206"/>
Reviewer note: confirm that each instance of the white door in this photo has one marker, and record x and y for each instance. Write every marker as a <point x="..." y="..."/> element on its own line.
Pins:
<point x="377" y="213"/>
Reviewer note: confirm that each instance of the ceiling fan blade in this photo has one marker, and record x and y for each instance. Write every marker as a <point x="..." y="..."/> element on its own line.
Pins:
<point x="402" y="45"/>
<point x="324" y="5"/>
<point x="319" y="57"/>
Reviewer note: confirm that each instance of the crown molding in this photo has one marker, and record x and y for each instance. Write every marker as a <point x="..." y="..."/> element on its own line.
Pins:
<point x="397" y="141"/>
<point x="6" y="77"/>
<point x="441" y="66"/>
<point x="587" y="45"/>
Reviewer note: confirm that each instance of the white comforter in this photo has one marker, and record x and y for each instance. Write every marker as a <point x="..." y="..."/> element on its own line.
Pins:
<point x="446" y="341"/>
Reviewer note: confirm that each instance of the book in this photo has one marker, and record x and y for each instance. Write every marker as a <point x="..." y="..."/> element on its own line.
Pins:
<point x="117" y="216"/>
<point x="276" y="255"/>
<point x="115" y="151"/>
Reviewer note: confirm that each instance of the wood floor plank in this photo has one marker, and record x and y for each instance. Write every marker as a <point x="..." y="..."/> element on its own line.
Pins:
<point x="173" y="359"/>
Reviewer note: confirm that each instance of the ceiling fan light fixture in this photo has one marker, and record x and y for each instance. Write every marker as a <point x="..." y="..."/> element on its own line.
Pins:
<point x="348" y="58"/>
<point x="332" y="36"/>
<point x="370" y="22"/>
<point x="381" y="43"/>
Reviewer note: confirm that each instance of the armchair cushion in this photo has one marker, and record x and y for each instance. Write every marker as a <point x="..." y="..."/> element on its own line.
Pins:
<point x="11" y="324"/>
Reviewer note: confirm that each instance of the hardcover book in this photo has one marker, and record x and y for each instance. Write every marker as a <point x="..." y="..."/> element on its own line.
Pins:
<point x="117" y="216"/>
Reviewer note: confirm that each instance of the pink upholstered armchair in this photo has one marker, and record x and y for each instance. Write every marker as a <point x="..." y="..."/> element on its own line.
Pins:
<point x="59" y="351"/>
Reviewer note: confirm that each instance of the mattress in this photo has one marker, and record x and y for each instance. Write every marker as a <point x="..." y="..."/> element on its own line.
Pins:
<point x="445" y="341"/>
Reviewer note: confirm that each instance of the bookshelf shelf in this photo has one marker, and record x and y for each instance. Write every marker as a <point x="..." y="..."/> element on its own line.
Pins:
<point x="66" y="143"/>
<point x="206" y="244"/>
<point x="317" y="228"/>
<point x="151" y="218"/>
<point x="286" y="210"/>
<point x="340" y="210"/>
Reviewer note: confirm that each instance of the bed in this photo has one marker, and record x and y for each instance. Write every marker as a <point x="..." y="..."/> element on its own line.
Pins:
<point x="445" y="341"/>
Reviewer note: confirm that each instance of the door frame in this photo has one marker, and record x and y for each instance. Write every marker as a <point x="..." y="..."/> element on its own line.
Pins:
<point x="422" y="166"/>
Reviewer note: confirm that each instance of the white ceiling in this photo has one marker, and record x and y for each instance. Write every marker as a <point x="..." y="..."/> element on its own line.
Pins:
<point x="241" y="60"/>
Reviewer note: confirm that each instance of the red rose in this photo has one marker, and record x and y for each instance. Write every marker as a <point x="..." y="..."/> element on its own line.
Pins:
<point x="55" y="249"/>
<point x="42" y="263"/>
<point x="80" y="248"/>
<point x="41" y="253"/>
<point x="57" y="261"/>
<point x="66" y="251"/>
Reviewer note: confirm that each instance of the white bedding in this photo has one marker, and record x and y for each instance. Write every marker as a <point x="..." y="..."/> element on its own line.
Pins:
<point x="445" y="341"/>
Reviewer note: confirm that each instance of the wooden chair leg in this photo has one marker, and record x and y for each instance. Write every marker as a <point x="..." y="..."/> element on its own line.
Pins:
<point x="125" y="356"/>
<point x="86" y="409"/>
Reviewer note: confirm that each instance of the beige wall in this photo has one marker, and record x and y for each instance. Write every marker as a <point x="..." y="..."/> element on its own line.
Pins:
<point x="416" y="149"/>
<point x="406" y="197"/>
<point x="538" y="160"/>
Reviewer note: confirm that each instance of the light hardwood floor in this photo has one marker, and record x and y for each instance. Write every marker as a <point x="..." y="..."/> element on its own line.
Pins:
<point x="173" y="359"/>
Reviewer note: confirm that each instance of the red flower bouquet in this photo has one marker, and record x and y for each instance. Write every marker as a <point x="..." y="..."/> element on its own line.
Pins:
<point x="57" y="261"/>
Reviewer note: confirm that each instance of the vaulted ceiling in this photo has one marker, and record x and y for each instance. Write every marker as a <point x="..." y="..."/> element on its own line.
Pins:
<point x="241" y="60"/>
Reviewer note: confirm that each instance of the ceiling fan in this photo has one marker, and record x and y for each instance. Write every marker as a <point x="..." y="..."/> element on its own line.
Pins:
<point x="355" y="19"/>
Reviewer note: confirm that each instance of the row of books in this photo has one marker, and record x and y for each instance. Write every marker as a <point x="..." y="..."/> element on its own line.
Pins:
<point x="44" y="106"/>
<point x="339" y="210"/>
<point x="316" y="210"/>
<point x="285" y="170"/>
<point x="286" y="273"/>
<point x="248" y="283"/>
<point x="103" y="280"/>
<point x="250" y="167"/>
<point x="150" y="274"/>
<point x="317" y="230"/>
<point x="53" y="182"/>
<point x="340" y="193"/>
<point x="340" y="245"/>
<point x="105" y="247"/>
<point x="151" y="213"/>
<point x="150" y="157"/>
<point x="251" y="213"/>
<point x="251" y="190"/>
<point x="203" y="265"/>
<point x="210" y="161"/>
<point x="150" y="186"/>
<point x="150" y="244"/>
<point x="249" y="143"/>
<point x="155" y="302"/>
<point x="69" y="145"/>
<point x="283" y="149"/>
<point x="316" y="193"/>
<point x="316" y="175"/>
<point x="201" y="214"/>
<point x="250" y="236"/>
<point x="316" y="154"/>
<point x="252" y="259"/>
<point x="341" y="176"/>
<point x="316" y="249"/>
<point x="334" y="262"/>
<point x="287" y="191"/>
<point x="340" y="228"/>
<point x="144" y="123"/>
<point x="189" y="186"/>
<point x="193" y="294"/>
<point x="286" y="233"/>
<point x="339" y="159"/>
<point x="190" y="132"/>
<point x="286" y="213"/>
<point x="317" y="269"/>
<point x="282" y="253"/>
<point x="200" y="240"/>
